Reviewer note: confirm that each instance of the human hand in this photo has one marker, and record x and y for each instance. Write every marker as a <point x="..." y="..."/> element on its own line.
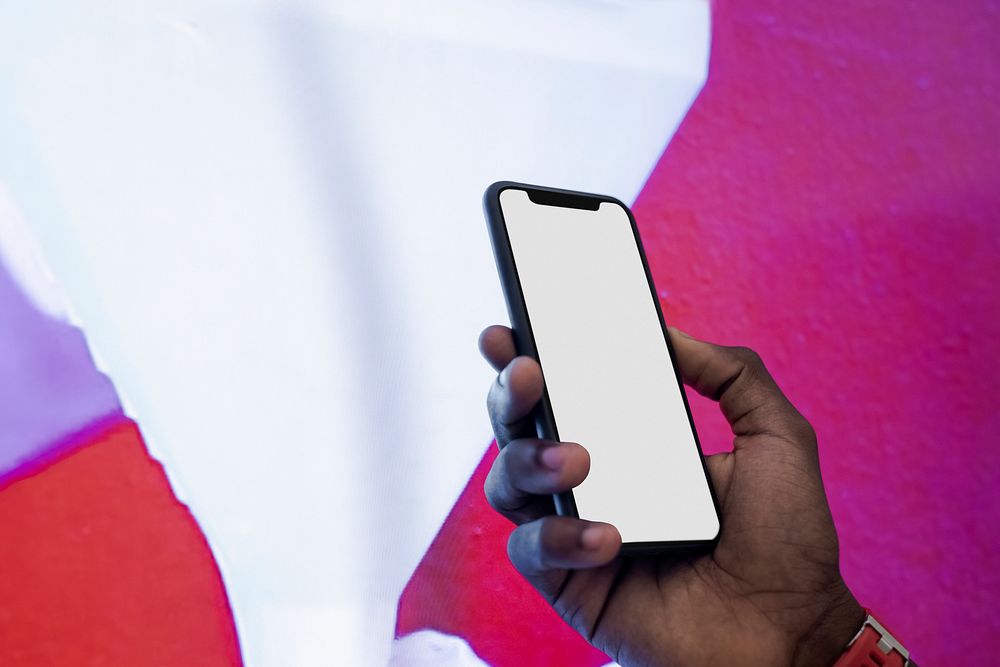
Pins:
<point x="770" y="593"/>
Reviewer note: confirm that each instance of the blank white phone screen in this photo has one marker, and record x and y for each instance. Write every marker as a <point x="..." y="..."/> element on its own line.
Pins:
<point x="607" y="369"/>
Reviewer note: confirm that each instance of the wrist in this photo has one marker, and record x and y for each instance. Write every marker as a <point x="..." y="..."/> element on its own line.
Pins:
<point x="826" y="640"/>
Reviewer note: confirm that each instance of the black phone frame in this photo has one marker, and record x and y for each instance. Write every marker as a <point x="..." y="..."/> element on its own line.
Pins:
<point x="524" y="340"/>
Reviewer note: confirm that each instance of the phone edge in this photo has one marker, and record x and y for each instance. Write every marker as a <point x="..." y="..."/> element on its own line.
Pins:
<point x="545" y="426"/>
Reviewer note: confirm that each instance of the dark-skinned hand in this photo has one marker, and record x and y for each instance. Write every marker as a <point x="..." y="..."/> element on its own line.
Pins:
<point x="770" y="593"/>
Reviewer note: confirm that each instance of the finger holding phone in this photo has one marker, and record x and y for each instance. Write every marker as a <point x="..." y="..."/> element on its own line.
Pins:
<point x="655" y="554"/>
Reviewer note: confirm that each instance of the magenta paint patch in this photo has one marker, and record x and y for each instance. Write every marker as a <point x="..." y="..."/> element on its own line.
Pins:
<point x="831" y="200"/>
<point x="49" y="386"/>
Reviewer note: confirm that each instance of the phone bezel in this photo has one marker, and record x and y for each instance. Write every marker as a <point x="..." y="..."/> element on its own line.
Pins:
<point x="524" y="341"/>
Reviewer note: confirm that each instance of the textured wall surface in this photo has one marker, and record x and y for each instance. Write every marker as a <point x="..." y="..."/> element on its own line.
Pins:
<point x="102" y="566"/>
<point x="832" y="201"/>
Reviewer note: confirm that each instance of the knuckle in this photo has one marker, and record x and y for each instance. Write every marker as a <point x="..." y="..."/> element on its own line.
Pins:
<point x="748" y="356"/>
<point x="518" y="456"/>
<point x="492" y="488"/>
<point x="507" y="483"/>
<point x="515" y="547"/>
<point x="523" y="546"/>
<point x="500" y="492"/>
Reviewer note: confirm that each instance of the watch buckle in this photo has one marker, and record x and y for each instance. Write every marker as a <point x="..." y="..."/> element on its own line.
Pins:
<point x="886" y="642"/>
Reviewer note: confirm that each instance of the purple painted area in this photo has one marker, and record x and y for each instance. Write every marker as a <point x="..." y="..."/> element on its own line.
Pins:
<point x="49" y="386"/>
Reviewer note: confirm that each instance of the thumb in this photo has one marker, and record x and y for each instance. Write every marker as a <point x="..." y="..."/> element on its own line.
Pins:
<point x="747" y="394"/>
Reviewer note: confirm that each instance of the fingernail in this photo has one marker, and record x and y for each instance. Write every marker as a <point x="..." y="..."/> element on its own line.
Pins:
<point x="553" y="457"/>
<point x="592" y="537"/>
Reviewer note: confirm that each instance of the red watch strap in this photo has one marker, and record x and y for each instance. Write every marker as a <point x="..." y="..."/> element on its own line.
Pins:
<point x="873" y="646"/>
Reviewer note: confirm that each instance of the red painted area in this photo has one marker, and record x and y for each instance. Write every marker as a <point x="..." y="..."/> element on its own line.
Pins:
<point x="831" y="200"/>
<point x="102" y="566"/>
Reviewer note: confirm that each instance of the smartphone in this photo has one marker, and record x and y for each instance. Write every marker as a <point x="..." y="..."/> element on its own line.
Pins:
<point x="582" y="303"/>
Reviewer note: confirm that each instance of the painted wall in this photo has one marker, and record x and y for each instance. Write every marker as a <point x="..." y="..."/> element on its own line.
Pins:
<point x="832" y="201"/>
<point x="266" y="217"/>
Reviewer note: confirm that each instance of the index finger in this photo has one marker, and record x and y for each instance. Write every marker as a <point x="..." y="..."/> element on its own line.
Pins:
<point x="516" y="389"/>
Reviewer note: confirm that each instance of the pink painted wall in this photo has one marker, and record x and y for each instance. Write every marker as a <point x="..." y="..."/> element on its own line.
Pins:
<point x="832" y="200"/>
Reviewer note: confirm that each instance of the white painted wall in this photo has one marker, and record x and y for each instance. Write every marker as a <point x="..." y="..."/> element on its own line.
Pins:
<point x="267" y="217"/>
